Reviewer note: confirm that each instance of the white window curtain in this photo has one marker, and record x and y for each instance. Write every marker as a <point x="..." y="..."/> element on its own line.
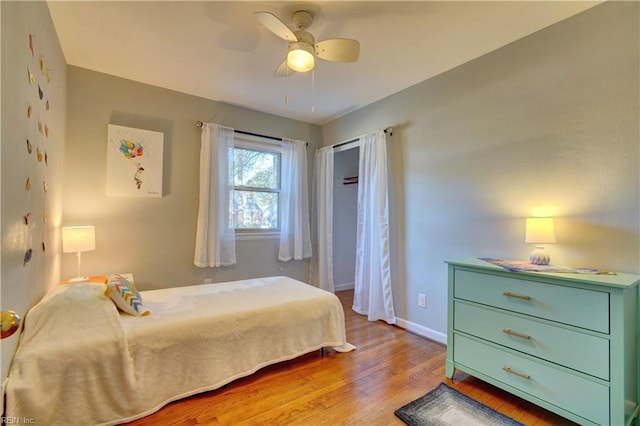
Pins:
<point x="295" y="238"/>
<point x="372" y="294"/>
<point x="215" y="236"/>
<point x="321" y="268"/>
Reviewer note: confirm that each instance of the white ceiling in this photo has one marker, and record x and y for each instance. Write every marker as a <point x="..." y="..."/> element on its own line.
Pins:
<point x="218" y="50"/>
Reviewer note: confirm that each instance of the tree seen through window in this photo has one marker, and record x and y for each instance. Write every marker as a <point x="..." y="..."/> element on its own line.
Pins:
<point x="256" y="180"/>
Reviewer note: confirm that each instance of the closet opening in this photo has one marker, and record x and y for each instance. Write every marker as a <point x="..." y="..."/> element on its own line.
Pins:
<point x="345" y="213"/>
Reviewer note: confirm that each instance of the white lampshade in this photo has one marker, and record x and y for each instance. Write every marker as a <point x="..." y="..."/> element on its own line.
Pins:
<point x="300" y="57"/>
<point x="540" y="230"/>
<point x="76" y="239"/>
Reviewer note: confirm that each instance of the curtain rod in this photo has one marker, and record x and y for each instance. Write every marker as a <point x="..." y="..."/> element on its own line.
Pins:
<point x="387" y="130"/>
<point x="200" y="124"/>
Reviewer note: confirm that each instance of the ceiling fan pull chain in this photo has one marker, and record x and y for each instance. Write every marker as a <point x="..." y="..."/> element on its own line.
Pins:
<point x="286" y="87"/>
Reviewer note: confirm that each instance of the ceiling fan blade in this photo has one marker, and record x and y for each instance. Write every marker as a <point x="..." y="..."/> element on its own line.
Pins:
<point x="338" y="49"/>
<point x="275" y="25"/>
<point x="281" y="71"/>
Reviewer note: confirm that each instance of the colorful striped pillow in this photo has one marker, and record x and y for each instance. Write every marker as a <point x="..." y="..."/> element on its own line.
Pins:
<point x="125" y="295"/>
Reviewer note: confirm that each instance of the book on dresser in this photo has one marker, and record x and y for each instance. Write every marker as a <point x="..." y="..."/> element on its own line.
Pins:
<point x="567" y="342"/>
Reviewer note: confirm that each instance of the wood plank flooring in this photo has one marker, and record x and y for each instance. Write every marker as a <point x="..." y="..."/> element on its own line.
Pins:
<point x="389" y="368"/>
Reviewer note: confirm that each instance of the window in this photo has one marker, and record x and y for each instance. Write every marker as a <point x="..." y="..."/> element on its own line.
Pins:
<point x="255" y="171"/>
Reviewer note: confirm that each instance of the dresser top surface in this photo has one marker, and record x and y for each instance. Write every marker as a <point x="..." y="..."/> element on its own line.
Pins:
<point x="620" y="280"/>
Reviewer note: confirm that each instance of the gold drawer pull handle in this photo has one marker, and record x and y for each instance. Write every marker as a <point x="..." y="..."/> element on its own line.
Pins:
<point x="516" y="296"/>
<point x="513" y="333"/>
<point x="515" y="373"/>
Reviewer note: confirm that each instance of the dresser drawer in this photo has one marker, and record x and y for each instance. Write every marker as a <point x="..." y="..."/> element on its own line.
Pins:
<point x="579" y="307"/>
<point x="563" y="346"/>
<point x="575" y="394"/>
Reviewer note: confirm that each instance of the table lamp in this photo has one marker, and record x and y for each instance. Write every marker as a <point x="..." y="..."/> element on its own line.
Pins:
<point x="539" y="230"/>
<point x="76" y="239"/>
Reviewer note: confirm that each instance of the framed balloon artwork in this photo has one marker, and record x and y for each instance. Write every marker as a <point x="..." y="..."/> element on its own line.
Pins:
<point x="134" y="162"/>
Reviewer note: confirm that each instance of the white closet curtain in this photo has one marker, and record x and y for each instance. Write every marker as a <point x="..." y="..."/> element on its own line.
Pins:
<point x="295" y="238"/>
<point x="372" y="295"/>
<point x="321" y="269"/>
<point x="215" y="237"/>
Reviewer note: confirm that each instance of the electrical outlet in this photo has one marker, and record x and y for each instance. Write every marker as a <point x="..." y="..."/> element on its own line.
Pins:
<point x="422" y="300"/>
<point x="208" y="280"/>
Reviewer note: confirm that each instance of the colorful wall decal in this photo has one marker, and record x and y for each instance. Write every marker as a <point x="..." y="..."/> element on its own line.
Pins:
<point x="37" y="99"/>
<point x="134" y="162"/>
<point x="27" y="256"/>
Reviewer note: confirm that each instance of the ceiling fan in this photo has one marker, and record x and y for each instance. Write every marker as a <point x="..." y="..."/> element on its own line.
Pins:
<point x="302" y="45"/>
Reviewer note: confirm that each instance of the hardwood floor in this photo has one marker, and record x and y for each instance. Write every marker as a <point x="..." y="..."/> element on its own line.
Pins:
<point x="389" y="368"/>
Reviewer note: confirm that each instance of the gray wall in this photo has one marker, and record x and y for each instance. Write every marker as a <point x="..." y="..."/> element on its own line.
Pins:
<point x="547" y="125"/>
<point x="154" y="238"/>
<point x="22" y="285"/>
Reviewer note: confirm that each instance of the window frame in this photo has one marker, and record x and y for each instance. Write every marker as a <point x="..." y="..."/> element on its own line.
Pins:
<point x="257" y="143"/>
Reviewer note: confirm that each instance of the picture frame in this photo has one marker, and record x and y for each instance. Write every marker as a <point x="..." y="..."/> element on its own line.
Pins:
<point x="134" y="162"/>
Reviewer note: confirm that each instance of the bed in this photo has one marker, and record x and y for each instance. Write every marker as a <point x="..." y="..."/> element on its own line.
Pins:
<point x="81" y="361"/>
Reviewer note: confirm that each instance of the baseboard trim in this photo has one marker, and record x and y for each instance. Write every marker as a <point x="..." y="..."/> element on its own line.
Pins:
<point x="422" y="331"/>
<point x="344" y="286"/>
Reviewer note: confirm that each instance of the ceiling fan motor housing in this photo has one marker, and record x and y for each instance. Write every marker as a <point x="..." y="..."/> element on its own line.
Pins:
<point x="303" y="37"/>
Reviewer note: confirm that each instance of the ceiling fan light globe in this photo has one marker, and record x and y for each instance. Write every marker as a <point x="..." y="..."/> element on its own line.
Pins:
<point x="300" y="58"/>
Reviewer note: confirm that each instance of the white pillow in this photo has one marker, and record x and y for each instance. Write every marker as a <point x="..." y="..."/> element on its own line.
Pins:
<point x="125" y="295"/>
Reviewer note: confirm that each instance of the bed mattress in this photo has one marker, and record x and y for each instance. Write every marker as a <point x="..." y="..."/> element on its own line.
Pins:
<point x="83" y="363"/>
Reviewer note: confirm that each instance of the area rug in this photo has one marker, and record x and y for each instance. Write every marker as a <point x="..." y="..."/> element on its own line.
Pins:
<point x="446" y="406"/>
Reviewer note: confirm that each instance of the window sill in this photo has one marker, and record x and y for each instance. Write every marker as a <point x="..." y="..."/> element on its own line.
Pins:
<point x="241" y="236"/>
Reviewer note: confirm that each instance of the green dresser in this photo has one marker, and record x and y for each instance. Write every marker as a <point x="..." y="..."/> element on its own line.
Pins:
<point x="567" y="342"/>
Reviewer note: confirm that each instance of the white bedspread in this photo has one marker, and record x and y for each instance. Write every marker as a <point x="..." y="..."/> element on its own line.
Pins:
<point x="72" y="362"/>
<point x="102" y="367"/>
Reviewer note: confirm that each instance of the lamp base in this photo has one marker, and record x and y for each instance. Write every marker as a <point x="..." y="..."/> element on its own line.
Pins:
<point x="78" y="279"/>
<point x="539" y="256"/>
